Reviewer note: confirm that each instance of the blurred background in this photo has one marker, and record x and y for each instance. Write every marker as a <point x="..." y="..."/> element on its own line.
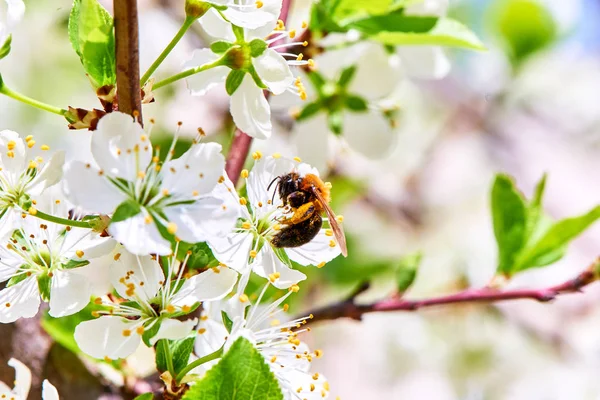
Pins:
<point x="527" y="106"/>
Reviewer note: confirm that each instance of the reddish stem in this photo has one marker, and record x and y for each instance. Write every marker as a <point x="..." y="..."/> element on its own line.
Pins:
<point x="349" y="309"/>
<point x="240" y="146"/>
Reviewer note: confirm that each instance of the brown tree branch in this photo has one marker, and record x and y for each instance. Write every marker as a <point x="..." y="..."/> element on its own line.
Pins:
<point x="128" y="54"/>
<point x="349" y="309"/>
<point x="240" y="146"/>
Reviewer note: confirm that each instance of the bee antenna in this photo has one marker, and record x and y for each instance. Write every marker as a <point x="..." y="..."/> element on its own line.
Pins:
<point x="277" y="178"/>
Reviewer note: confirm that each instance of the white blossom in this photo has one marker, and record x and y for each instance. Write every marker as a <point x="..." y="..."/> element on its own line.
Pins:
<point x="22" y="384"/>
<point x="23" y="173"/>
<point x="47" y="260"/>
<point x="249" y="248"/>
<point x="145" y="195"/>
<point x="154" y="301"/>
<point x="10" y="14"/>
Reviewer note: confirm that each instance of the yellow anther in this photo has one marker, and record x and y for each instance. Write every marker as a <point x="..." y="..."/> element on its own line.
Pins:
<point x="304" y="25"/>
<point x="286" y="307"/>
<point x="165" y="192"/>
<point x="148" y="219"/>
<point x="107" y="359"/>
<point x="243" y="201"/>
<point x="141" y="174"/>
<point x="143" y="138"/>
<point x="319" y="354"/>
<point x="315" y="376"/>
<point x="275" y="322"/>
<point x="280" y="25"/>
<point x="328" y="185"/>
<point x="28" y="138"/>
<point x="303" y="95"/>
<point x="244" y="173"/>
<point x="273" y="359"/>
<point x="11" y="144"/>
<point x="277" y="227"/>
<point x="274" y="276"/>
<point x="170" y="308"/>
<point x="117" y="256"/>
<point x="305" y="43"/>
<point x="312" y="387"/>
<point x="221" y="179"/>
<point x="340" y="218"/>
<point x="253" y="253"/>
<point x="32" y="210"/>
<point x="32" y="165"/>
<point x="243" y="298"/>
<point x="297" y="159"/>
<point x="30" y="143"/>
<point x="186" y="308"/>
<point x="126" y="332"/>
<point x="257" y="155"/>
<point x="321" y="264"/>
<point x="45" y="147"/>
<point x="79" y="253"/>
<point x="294" y="288"/>
<point x="259" y="4"/>
<point x="276" y="155"/>
<point x="10" y="154"/>
<point x="311" y="63"/>
<point x="292" y="33"/>
<point x="171" y="227"/>
<point x="246" y="225"/>
<point x="155" y="159"/>
<point x="195" y="193"/>
<point x="139" y="330"/>
<point x="202" y="331"/>
<point x="331" y="243"/>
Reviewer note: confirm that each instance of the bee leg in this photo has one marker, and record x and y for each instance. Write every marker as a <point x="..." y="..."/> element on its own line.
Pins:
<point x="301" y="214"/>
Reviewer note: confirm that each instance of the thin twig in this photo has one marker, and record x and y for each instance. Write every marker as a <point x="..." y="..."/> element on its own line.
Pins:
<point x="240" y="146"/>
<point x="128" y="54"/>
<point x="349" y="309"/>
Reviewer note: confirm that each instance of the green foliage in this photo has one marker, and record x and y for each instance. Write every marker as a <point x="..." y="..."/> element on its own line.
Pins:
<point x="527" y="238"/>
<point x="145" y="396"/>
<point x="257" y="47"/>
<point x="201" y="256"/>
<point x="525" y="26"/>
<point x="91" y="34"/>
<point x="179" y="350"/>
<point x="220" y="46"/>
<point x="5" y="48"/>
<point x="394" y="22"/>
<point x="75" y="264"/>
<point x="242" y="374"/>
<point x="406" y="271"/>
<point x="234" y="80"/>
<point x="446" y="32"/>
<point x="125" y="210"/>
<point x="44" y="284"/>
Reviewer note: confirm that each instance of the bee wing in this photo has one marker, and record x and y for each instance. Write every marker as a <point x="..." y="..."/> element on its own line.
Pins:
<point x="337" y="229"/>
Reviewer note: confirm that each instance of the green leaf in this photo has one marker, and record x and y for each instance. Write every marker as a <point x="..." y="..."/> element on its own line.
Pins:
<point x="406" y="272"/>
<point x="5" y="48"/>
<point x="257" y="47"/>
<point x="220" y="46"/>
<point x="345" y="11"/>
<point x="356" y="103"/>
<point x="44" y="284"/>
<point x="16" y="279"/>
<point x="309" y="110"/>
<point x="509" y="219"/>
<point x="125" y="210"/>
<point x="447" y="32"/>
<point x="535" y="210"/>
<point x="145" y="396"/>
<point x="526" y="26"/>
<point x="75" y="264"/>
<point x="234" y="80"/>
<point x="394" y="22"/>
<point x="242" y="374"/>
<point x="180" y="350"/>
<point x="335" y="122"/>
<point x="227" y="321"/>
<point x="91" y="34"/>
<point x="150" y="333"/>
<point x="552" y="245"/>
<point x="201" y="257"/>
<point x="346" y="76"/>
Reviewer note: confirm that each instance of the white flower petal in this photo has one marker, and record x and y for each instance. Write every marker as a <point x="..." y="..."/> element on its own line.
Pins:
<point x="369" y="133"/>
<point x="49" y="392"/>
<point x="199" y="84"/>
<point x="14" y="12"/>
<point x="377" y="72"/>
<point x="69" y="293"/>
<point x="216" y="26"/>
<point x="206" y="218"/>
<point x="267" y="263"/>
<point x="120" y="146"/>
<point x="173" y="329"/>
<point x="294" y="379"/>
<point x="436" y="8"/>
<point x="232" y="250"/>
<point x="274" y="71"/>
<point x="50" y="174"/>
<point x="146" y="277"/>
<point x="22" y="378"/>
<point x="23" y="300"/>
<point x="250" y="109"/>
<point x="249" y="18"/>
<point x="312" y="141"/>
<point x="210" y="340"/>
<point x="316" y="251"/>
<point x="91" y="243"/>
<point x="424" y="62"/>
<point x="104" y="337"/>
<point x="138" y="236"/>
<point x="97" y="274"/>
<point x="85" y="188"/>
<point x="272" y="7"/>
<point x="13" y="161"/>
<point x="207" y="286"/>
<point x="197" y="170"/>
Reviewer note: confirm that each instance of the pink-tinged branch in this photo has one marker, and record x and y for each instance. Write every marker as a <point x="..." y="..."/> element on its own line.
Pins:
<point x="240" y="146"/>
<point x="349" y="309"/>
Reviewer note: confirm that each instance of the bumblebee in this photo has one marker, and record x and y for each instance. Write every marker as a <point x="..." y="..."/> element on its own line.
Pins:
<point x="307" y="197"/>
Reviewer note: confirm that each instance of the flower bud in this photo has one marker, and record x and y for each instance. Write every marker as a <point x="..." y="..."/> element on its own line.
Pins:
<point x="196" y="8"/>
